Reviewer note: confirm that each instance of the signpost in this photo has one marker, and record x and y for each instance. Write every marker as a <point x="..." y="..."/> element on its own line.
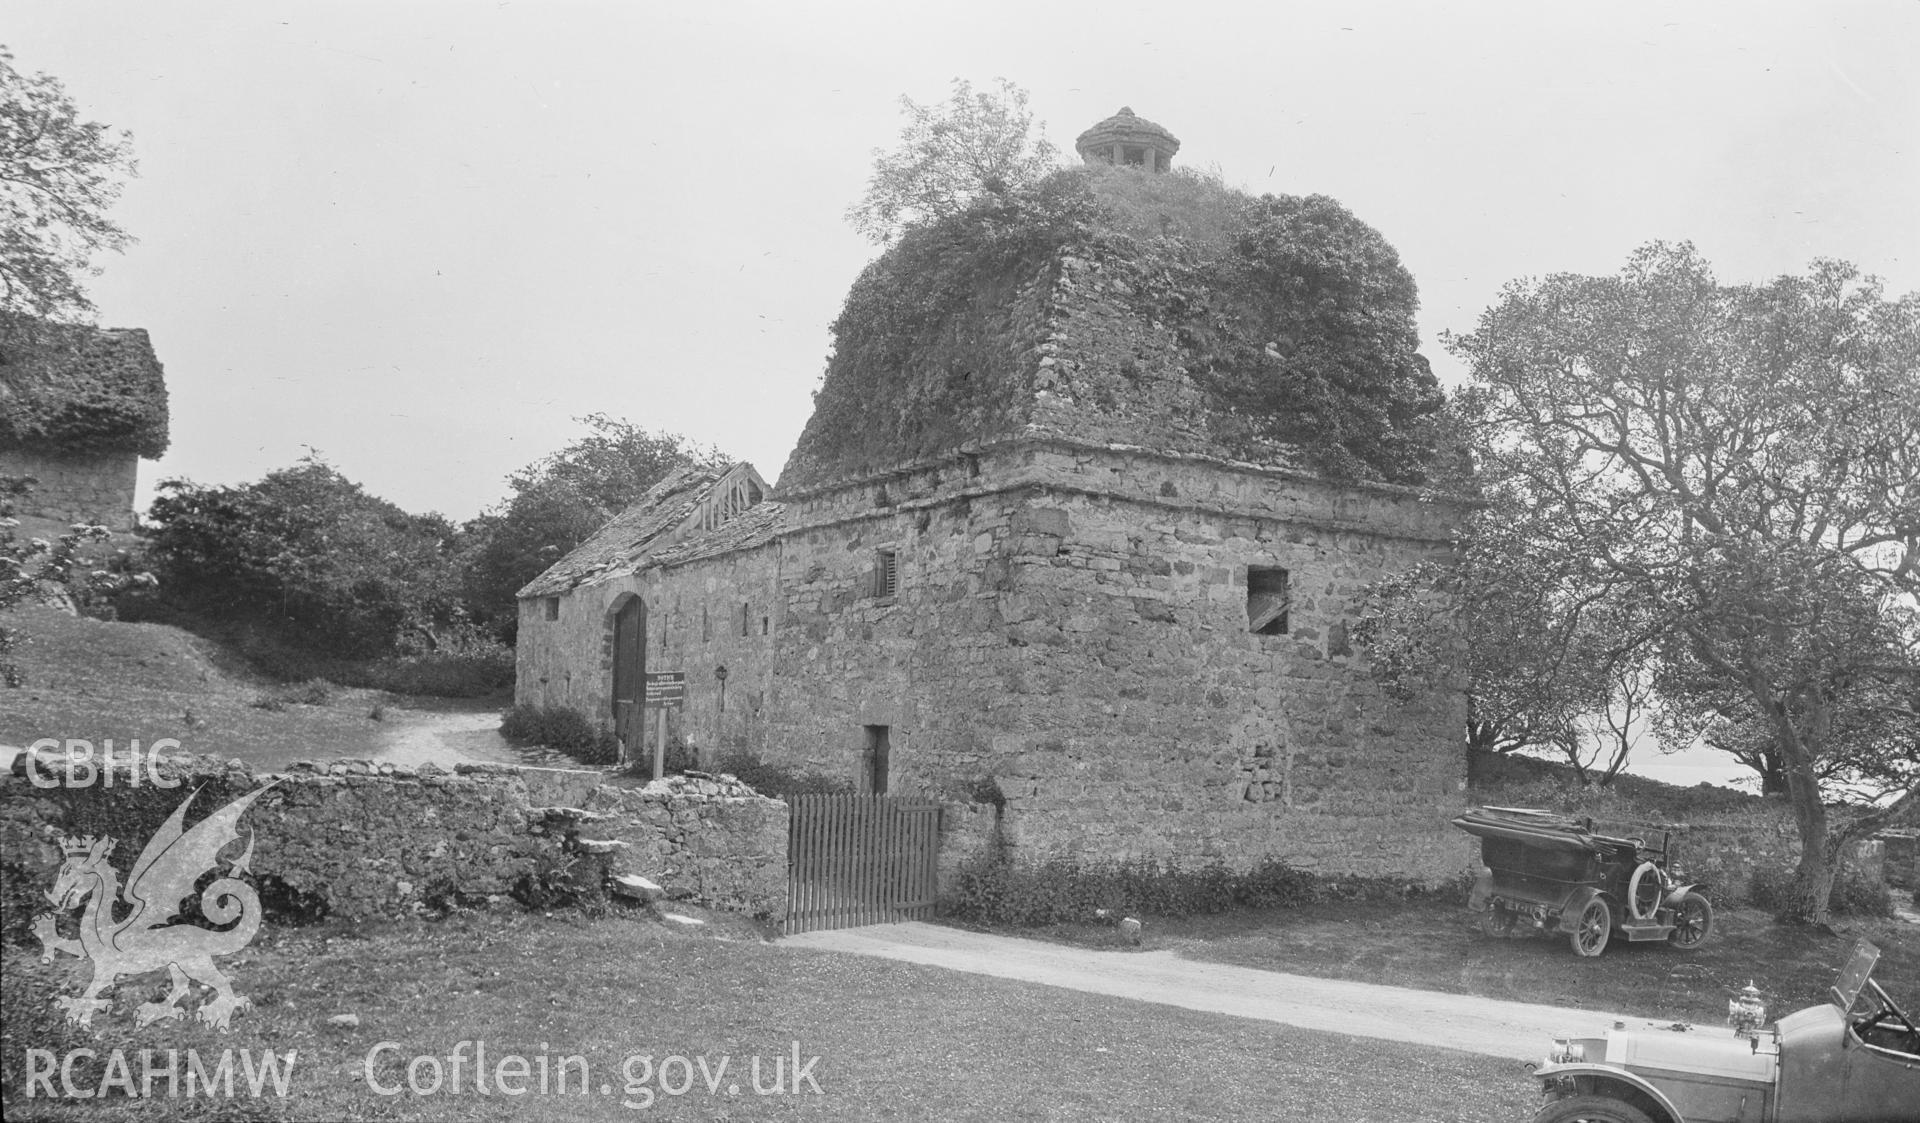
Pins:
<point x="665" y="692"/>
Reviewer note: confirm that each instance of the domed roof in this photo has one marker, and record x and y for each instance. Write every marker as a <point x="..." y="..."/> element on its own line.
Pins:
<point x="1124" y="128"/>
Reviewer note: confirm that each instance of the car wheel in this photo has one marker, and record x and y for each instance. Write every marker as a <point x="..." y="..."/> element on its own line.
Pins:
<point x="1589" y="936"/>
<point x="1692" y="921"/>
<point x="1498" y="922"/>
<point x="1591" y="1109"/>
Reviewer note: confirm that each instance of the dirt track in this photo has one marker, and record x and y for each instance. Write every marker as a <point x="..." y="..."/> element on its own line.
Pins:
<point x="1455" y="1021"/>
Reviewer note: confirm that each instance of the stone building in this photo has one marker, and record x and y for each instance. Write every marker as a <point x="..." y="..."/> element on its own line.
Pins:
<point x="1059" y="597"/>
<point x="79" y="408"/>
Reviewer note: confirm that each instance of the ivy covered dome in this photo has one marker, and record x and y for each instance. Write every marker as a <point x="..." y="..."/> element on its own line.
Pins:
<point x="1112" y="305"/>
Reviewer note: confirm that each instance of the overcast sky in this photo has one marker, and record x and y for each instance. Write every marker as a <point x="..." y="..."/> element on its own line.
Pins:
<point x="422" y="238"/>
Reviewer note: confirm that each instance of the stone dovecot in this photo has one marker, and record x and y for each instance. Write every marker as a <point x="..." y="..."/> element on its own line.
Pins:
<point x="1029" y="557"/>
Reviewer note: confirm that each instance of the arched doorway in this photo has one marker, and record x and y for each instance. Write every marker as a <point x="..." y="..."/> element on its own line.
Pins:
<point x="629" y="672"/>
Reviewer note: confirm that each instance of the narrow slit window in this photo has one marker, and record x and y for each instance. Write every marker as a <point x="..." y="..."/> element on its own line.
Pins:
<point x="1267" y="600"/>
<point x="746" y="619"/>
<point x="886" y="572"/>
<point x="553" y="608"/>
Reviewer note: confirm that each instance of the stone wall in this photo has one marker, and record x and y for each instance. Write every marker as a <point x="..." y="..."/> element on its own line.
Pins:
<point x="1069" y="631"/>
<point x="94" y="488"/>
<point x="359" y="841"/>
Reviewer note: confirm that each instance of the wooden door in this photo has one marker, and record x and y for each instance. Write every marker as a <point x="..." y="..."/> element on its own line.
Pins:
<point x="630" y="675"/>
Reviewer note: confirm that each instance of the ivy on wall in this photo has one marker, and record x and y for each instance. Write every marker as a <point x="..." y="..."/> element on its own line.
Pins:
<point x="76" y="389"/>
<point x="1293" y="317"/>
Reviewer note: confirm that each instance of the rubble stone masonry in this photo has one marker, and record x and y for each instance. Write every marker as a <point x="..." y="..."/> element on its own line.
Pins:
<point x="91" y="488"/>
<point x="359" y="840"/>
<point x="1069" y="639"/>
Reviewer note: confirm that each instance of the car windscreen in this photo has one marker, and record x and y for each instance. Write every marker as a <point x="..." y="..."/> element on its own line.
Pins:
<point x="1854" y="975"/>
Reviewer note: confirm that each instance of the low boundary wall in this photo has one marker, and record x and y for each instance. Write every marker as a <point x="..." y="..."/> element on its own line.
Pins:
<point x="361" y="840"/>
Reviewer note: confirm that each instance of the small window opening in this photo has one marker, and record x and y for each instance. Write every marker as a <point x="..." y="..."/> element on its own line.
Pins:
<point x="553" y="608"/>
<point x="875" y="758"/>
<point x="706" y="626"/>
<point x="1267" y="600"/>
<point x="886" y="572"/>
<point x="746" y="615"/>
<point x="765" y="624"/>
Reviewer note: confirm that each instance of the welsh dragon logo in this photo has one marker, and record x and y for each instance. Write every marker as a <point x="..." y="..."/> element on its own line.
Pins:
<point x="143" y="941"/>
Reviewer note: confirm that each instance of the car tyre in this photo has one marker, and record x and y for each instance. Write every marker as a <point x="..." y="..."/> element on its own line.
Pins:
<point x="1589" y="936"/>
<point x="1692" y="922"/>
<point x="1591" y="1109"/>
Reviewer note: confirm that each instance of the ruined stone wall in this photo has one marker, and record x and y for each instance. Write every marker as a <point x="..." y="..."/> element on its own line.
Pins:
<point x="94" y="488"/>
<point x="359" y="840"/>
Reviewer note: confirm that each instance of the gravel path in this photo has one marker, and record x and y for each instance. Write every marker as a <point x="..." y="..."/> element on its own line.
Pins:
<point x="414" y="738"/>
<point x="1514" y="1030"/>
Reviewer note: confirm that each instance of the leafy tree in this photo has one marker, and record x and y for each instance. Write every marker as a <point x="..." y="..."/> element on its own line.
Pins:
<point x="558" y="502"/>
<point x="1738" y="464"/>
<point x="59" y="175"/>
<point x="1552" y="663"/>
<point x="951" y="156"/>
<point x="309" y="555"/>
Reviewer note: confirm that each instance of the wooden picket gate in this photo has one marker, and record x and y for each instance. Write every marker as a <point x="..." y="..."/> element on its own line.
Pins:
<point x="859" y="859"/>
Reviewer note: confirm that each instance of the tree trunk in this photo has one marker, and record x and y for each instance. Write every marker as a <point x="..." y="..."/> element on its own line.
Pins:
<point x="1819" y="858"/>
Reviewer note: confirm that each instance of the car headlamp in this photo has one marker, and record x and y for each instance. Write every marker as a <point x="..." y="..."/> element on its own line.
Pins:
<point x="1566" y="1052"/>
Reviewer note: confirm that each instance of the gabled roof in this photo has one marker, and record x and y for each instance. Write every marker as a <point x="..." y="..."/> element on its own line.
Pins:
<point x="693" y="512"/>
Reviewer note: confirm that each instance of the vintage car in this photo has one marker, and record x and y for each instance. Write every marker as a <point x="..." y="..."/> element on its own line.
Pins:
<point x="1853" y="1059"/>
<point x="1552" y="873"/>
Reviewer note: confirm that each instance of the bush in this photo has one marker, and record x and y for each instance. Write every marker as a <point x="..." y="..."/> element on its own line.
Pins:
<point x="309" y="555"/>
<point x="996" y="891"/>
<point x="1853" y="895"/>
<point x="436" y="674"/>
<point x="563" y="729"/>
<point x="778" y="780"/>
<point x="313" y="692"/>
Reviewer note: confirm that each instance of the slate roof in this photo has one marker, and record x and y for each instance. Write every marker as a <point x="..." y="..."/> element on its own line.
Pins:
<point x="661" y="529"/>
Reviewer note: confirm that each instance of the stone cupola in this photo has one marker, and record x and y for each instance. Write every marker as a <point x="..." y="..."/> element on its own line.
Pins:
<point x="1128" y="140"/>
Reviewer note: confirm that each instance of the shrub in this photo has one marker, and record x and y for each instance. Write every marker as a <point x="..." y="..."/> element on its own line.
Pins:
<point x="313" y="692"/>
<point x="1853" y="895"/>
<point x="563" y="729"/>
<point x="997" y="891"/>
<point x="778" y="780"/>
<point x="308" y="554"/>
<point x="436" y="674"/>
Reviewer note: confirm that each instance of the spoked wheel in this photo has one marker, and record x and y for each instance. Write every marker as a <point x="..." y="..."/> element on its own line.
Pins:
<point x="1591" y="1109"/>
<point x="1692" y="921"/>
<point x="1589" y="937"/>
<point x="1498" y="922"/>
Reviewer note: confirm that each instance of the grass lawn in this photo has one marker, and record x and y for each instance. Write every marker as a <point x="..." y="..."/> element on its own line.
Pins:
<point x="895" y="1040"/>
<point x="1433" y="945"/>
<point x="99" y="681"/>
